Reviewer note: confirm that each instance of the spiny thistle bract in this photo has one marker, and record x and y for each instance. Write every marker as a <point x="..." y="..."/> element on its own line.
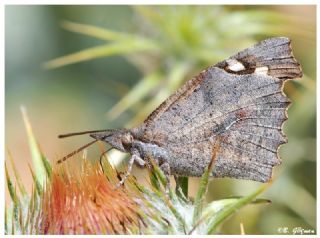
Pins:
<point x="86" y="201"/>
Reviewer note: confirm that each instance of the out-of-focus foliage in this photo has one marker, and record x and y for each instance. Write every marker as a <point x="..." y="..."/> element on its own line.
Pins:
<point x="167" y="45"/>
<point x="172" y="44"/>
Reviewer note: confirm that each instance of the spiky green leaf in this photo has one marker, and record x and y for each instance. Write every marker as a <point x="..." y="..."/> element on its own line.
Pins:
<point x="221" y="210"/>
<point x="198" y="203"/>
<point x="36" y="155"/>
<point x="21" y="187"/>
<point x="102" y="51"/>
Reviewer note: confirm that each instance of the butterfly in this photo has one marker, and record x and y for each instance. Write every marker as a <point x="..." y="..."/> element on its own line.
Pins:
<point x="233" y="111"/>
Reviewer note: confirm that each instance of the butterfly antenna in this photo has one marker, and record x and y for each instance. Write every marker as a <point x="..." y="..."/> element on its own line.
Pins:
<point x="79" y="133"/>
<point x="75" y="152"/>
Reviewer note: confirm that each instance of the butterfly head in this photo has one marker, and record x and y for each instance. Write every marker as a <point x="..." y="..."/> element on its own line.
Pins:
<point x="120" y="139"/>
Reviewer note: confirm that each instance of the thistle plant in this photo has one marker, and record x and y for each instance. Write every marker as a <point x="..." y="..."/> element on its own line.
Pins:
<point x="86" y="201"/>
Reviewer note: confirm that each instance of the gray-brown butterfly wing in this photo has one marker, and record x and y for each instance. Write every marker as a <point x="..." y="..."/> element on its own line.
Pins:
<point x="238" y="104"/>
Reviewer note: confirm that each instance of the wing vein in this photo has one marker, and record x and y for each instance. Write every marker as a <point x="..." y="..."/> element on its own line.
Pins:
<point x="243" y="106"/>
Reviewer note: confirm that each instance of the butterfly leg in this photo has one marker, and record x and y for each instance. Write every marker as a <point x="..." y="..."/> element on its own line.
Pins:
<point x="140" y="162"/>
<point x="133" y="158"/>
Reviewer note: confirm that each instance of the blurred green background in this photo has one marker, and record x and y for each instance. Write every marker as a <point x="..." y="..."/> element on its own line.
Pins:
<point x="130" y="60"/>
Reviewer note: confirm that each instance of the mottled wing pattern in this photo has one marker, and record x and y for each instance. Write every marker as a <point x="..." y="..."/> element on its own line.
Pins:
<point x="238" y="103"/>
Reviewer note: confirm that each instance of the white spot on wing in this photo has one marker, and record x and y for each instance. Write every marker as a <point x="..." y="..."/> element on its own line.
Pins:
<point x="231" y="124"/>
<point x="261" y="70"/>
<point x="234" y="65"/>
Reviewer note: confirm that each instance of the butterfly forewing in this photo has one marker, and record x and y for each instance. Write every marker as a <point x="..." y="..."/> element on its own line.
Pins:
<point x="240" y="104"/>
